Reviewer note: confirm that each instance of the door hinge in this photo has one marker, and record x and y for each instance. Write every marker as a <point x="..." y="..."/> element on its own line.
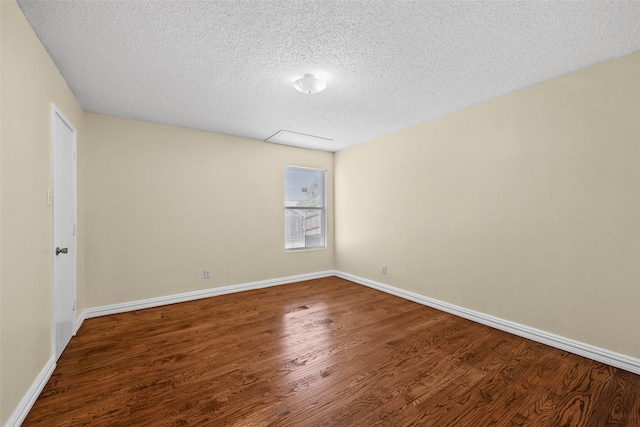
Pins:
<point x="74" y="229"/>
<point x="74" y="156"/>
<point x="74" y="305"/>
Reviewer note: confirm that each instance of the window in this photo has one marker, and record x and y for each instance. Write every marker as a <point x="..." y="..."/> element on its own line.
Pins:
<point x="304" y="208"/>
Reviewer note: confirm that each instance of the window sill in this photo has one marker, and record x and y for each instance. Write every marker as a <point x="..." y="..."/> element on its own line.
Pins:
<point x="304" y="249"/>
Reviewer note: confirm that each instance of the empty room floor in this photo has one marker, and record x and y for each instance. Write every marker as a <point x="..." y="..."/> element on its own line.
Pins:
<point x="324" y="352"/>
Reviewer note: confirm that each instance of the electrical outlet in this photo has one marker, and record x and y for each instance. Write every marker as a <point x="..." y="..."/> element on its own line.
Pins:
<point x="384" y="269"/>
<point x="207" y="274"/>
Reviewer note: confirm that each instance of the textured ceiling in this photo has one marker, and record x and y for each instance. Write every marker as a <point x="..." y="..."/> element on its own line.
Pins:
<point x="228" y="66"/>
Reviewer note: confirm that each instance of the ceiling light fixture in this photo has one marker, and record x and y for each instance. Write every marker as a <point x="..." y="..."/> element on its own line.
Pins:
<point x="309" y="84"/>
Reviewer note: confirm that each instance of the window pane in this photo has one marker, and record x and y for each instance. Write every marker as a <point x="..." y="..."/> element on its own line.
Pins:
<point x="304" y="228"/>
<point x="304" y="208"/>
<point x="304" y="187"/>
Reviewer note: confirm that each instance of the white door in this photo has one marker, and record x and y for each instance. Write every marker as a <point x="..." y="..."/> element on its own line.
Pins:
<point x="64" y="230"/>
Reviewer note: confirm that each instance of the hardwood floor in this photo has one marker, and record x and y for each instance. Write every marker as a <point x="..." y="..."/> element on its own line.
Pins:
<point x="324" y="352"/>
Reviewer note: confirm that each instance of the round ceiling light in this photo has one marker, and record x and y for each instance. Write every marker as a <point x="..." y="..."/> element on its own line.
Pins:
<point x="309" y="84"/>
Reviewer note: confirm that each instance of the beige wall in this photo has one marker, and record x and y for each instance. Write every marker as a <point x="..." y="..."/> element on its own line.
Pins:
<point x="164" y="203"/>
<point x="29" y="83"/>
<point x="526" y="207"/>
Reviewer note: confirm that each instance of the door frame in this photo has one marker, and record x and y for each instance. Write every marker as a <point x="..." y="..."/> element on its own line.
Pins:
<point x="55" y="111"/>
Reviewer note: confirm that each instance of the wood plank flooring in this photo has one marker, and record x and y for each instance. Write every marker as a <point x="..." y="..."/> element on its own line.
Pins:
<point x="324" y="352"/>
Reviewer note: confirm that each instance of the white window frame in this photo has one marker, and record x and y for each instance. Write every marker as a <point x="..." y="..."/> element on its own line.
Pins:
<point x="323" y="210"/>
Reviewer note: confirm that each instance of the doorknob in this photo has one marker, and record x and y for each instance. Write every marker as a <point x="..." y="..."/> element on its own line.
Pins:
<point x="61" y="251"/>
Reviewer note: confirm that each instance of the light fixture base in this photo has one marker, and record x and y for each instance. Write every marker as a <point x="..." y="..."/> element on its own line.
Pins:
<point x="310" y="84"/>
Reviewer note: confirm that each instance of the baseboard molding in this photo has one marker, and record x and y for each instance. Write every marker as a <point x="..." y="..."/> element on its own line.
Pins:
<point x="25" y="405"/>
<point x="591" y="352"/>
<point x="79" y="322"/>
<point x="190" y="296"/>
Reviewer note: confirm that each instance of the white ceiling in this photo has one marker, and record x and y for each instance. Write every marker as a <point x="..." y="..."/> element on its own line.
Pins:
<point x="228" y="66"/>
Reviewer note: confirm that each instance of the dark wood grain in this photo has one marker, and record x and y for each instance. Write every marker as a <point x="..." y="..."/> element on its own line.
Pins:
<point x="324" y="352"/>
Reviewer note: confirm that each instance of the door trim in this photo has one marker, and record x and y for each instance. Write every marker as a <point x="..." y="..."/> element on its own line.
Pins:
<point x="55" y="111"/>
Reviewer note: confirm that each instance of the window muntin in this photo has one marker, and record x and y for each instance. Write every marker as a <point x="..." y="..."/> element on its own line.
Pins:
<point x="304" y="208"/>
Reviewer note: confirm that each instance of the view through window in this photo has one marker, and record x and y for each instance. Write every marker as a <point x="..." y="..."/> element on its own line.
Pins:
<point x="304" y="208"/>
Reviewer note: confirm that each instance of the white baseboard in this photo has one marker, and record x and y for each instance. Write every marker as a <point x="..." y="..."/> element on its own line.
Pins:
<point x="25" y="405"/>
<point x="79" y="321"/>
<point x="190" y="296"/>
<point x="618" y="360"/>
